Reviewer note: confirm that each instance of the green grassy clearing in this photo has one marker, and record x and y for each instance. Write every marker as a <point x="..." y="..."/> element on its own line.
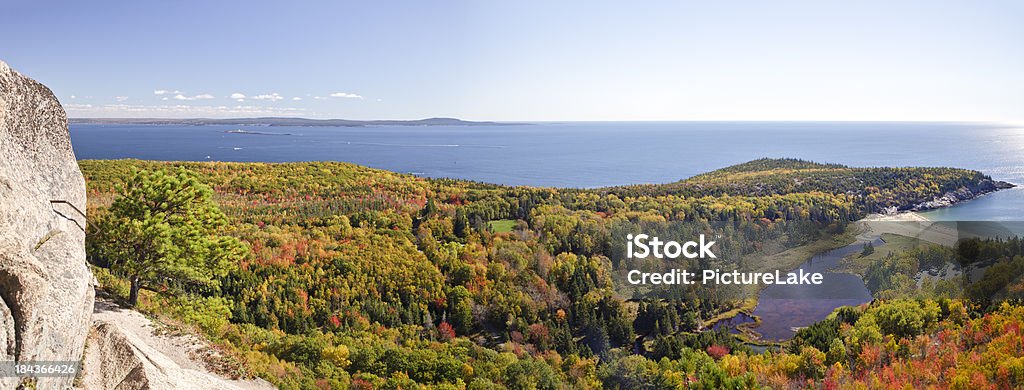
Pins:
<point x="894" y="243"/>
<point x="502" y="225"/>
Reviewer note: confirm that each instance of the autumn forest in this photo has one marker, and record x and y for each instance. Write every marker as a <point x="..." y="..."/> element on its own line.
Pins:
<point x="329" y="275"/>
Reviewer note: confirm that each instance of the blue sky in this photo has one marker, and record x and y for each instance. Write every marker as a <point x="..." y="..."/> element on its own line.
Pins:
<point x="526" y="60"/>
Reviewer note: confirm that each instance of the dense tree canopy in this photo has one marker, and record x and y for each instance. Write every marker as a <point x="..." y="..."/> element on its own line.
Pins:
<point x="360" y="278"/>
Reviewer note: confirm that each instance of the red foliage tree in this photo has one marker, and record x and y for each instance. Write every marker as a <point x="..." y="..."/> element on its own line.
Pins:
<point x="445" y="331"/>
<point x="717" y="351"/>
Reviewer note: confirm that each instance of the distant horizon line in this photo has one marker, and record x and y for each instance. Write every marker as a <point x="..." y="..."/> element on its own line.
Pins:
<point x="503" y="121"/>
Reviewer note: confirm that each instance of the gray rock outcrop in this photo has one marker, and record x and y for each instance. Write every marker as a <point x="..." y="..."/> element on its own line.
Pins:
<point x="112" y="362"/>
<point x="965" y="193"/>
<point x="46" y="292"/>
<point x="123" y="353"/>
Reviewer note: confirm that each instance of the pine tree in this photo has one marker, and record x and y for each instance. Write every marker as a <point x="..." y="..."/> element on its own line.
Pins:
<point x="164" y="230"/>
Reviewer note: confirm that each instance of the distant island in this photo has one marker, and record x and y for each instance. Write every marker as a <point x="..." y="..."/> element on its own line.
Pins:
<point x="281" y="121"/>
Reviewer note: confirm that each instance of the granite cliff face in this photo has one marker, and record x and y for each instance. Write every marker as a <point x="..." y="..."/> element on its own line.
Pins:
<point x="46" y="291"/>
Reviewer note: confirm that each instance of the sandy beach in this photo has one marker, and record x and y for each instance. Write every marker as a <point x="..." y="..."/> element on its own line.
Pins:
<point x="910" y="224"/>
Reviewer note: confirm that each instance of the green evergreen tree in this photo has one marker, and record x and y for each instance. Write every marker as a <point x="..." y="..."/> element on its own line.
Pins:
<point x="164" y="230"/>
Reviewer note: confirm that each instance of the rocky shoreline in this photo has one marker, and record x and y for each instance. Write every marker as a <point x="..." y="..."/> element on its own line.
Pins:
<point x="950" y="198"/>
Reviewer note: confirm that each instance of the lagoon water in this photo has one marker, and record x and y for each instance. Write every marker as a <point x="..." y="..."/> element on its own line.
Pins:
<point x="591" y="154"/>
<point x="785" y="308"/>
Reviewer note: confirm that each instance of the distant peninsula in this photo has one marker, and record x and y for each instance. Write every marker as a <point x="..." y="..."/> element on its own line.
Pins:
<point x="282" y="121"/>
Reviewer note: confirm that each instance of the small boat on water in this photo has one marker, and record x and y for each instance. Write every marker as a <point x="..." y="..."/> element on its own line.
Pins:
<point x="243" y="131"/>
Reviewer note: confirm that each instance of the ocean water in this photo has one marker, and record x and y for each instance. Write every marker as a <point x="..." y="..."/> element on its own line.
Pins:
<point x="592" y="154"/>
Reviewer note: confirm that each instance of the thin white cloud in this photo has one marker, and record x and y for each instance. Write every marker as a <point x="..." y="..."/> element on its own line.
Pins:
<point x="73" y="96"/>
<point x="296" y="98"/>
<point x="346" y="95"/>
<point x="120" y="98"/>
<point x="238" y="96"/>
<point x="196" y="97"/>
<point x="319" y="97"/>
<point x="178" y="110"/>
<point x="165" y="92"/>
<point x="271" y="96"/>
